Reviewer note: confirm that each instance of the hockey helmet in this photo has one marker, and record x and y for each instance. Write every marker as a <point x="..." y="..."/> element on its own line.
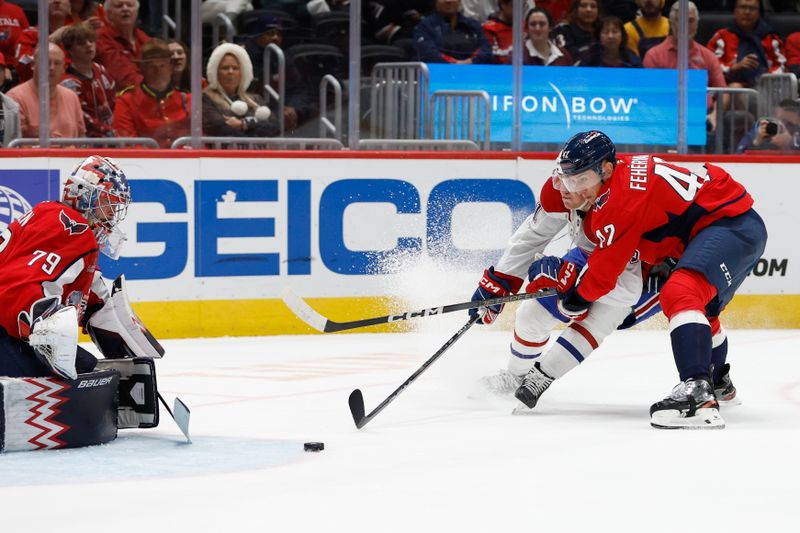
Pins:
<point x="580" y="163"/>
<point x="99" y="190"/>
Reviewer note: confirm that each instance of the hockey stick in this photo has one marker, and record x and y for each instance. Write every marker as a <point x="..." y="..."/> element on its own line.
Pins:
<point x="314" y="319"/>
<point x="180" y="416"/>
<point x="356" y="399"/>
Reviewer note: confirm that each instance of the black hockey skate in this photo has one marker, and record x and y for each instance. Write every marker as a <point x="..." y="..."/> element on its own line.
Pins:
<point x="724" y="389"/>
<point x="533" y="385"/>
<point x="690" y="405"/>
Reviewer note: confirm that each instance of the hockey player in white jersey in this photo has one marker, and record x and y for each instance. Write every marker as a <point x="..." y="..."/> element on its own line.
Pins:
<point x="531" y="370"/>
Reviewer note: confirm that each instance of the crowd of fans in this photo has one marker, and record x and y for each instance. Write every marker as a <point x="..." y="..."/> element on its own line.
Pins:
<point x="109" y="78"/>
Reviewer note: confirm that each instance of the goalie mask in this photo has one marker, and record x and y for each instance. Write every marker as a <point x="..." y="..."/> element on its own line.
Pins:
<point x="98" y="189"/>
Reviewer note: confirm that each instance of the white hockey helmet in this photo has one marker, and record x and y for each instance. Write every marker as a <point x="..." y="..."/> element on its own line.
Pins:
<point x="99" y="190"/>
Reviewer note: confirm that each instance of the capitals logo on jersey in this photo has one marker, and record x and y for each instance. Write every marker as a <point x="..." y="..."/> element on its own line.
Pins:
<point x="74" y="228"/>
<point x="601" y="200"/>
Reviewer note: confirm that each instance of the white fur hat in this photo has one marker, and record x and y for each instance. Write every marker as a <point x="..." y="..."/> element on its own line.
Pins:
<point x="241" y="56"/>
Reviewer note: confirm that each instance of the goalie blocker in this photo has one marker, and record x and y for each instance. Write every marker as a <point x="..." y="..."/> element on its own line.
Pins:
<point x="48" y="412"/>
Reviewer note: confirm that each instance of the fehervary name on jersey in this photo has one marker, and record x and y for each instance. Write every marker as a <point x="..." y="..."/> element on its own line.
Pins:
<point x="638" y="172"/>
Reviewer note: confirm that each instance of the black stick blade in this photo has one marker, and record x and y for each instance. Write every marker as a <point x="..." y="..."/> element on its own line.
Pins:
<point x="356" y="401"/>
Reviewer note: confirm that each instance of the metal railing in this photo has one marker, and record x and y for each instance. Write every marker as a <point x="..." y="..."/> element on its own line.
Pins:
<point x="266" y="143"/>
<point x="222" y="20"/>
<point x="398" y="100"/>
<point x="417" y="144"/>
<point x="171" y="22"/>
<point x="736" y="119"/>
<point x="772" y="88"/>
<point x="325" y="124"/>
<point x="462" y="115"/>
<point x="266" y="79"/>
<point x="81" y="142"/>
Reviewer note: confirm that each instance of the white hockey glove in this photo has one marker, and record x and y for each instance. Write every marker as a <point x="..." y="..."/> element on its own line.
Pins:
<point x="54" y="338"/>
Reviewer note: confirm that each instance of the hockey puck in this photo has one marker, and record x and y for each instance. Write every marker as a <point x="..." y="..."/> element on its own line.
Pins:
<point x="314" y="446"/>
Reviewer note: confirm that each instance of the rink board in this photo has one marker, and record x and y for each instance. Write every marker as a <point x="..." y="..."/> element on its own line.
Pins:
<point x="214" y="236"/>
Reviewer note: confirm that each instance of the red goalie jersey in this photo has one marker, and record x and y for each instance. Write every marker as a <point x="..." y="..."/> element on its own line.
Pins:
<point x="650" y="210"/>
<point x="48" y="251"/>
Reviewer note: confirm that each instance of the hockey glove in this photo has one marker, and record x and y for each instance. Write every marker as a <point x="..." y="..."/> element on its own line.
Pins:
<point x="543" y="274"/>
<point x="52" y="331"/>
<point x="658" y="275"/>
<point x="493" y="284"/>
<point x="570" y="303"/>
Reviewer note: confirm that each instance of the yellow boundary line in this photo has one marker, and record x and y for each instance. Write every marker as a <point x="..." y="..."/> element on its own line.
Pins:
<point x="220" y="318"/>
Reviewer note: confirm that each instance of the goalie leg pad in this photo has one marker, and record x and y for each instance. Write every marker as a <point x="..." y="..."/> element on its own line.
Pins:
<point x="138" y="391"/>
<point x="47" y="412"/>
<point x="117" y="331"/>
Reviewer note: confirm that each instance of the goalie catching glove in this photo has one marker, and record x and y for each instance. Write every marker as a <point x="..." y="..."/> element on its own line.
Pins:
<point x="493" y="284"/>
<point x="52" y="331"/>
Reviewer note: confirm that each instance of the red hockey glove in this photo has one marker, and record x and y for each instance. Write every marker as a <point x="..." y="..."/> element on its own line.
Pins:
<point x="570" y="303"/>
<point x="493" y="284"/>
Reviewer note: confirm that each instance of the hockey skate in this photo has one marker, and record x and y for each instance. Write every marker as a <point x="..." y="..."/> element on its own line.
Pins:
<point x="533" y="386"/>
<point x="504" y="383"/>
<point x="724" y="389"/>
<point x="690" y="405"/>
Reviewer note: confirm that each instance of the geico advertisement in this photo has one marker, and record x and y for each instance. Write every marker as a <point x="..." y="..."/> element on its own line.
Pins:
<point x="234" y="228"/>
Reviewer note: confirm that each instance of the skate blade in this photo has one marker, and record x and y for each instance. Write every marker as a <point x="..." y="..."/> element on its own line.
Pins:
<point x="522" y="410"/>
<point x="705" y="418"/>
<point x="730" y="403"/>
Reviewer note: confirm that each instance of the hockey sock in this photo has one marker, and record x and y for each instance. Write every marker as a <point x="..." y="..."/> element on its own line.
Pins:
<point x="719" y="353"/>
<point x="574" y="345"/>
<point x="524" y="353"/>
<point x="691" y="344"/>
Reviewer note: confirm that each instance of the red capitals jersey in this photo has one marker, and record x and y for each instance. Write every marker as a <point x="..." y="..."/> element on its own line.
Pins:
<point x="12" y="22"/>
<point x="97" y="96"/>
<point x="48" y="251"/>
<point x="650" y="210"/>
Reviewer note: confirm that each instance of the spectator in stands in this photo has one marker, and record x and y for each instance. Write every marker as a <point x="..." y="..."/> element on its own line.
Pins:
<point x="9" y="112"/>
<point x="228" y="109"/>
<point x="539" y="49"/>
<point x="57" y="13"/>
<point x="749" y="47"/>
<point x="557" y="9"/>
<point x="393" y="20"/>
<point x="648" y="29"/>
<point x="86" y="11"/>
<point x="611" y="48"/>
<point x="89" y="80"/>
<point x="793" y="53"/>
<point x="181" y="71"/>
<point x="499" y="31"/>
<point x="120" y="42"/>
<point x="665" y="55"/>
<point x="301" y="97"/>
<point x="66" y="117"/>
<point x="6" y="81"/>
<point x="13" y="22"/>
<point x="153" y="108"/>
<point x="209" y="9"/>
<point x="781" y="132"/>
<point x="576" y="33"/>
<point x="447" y="36"/>
<point x="482" y="10"/>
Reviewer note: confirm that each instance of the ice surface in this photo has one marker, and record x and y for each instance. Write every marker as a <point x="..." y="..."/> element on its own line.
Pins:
<point x="434" y="460"/>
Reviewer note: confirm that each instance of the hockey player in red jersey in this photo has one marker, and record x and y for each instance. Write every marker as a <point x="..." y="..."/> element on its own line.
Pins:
<point x="535" y="320"/>
<point x="48" y="272"/>
<point x="645" y="209"/>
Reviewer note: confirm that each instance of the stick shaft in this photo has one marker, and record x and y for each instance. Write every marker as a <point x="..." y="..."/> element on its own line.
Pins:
<point x="321" y="323"/>
<point x="389" y="399"/>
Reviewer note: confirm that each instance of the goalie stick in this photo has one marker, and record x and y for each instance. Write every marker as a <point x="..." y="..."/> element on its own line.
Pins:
<point x="180" y="414"/>
<point x="356" y="399"/>
<point x="317" y="321"/>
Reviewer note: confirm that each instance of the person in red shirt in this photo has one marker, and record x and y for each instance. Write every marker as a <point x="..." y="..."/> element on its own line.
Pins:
<point x="499" y="30"/>
<point x="89" y="80"/>
<point x="793" y="53"/>
<point x="48" y="271"/>
<point x="57" y="13"/>
<point x="646" y="209"/>
<point x="154" y="108"/>
<point x="120" y="42"/>
<point x="12" y="22"/>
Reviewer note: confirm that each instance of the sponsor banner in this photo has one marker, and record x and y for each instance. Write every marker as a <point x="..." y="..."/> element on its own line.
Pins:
<point x="632" y="106"/>
<point x="20" y="189"/>
<point x="234" y="231"/>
